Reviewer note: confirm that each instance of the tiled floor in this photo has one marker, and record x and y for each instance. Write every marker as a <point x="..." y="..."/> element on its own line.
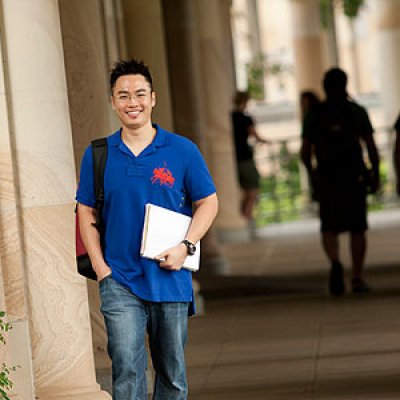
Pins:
<point x="271" y="331"/>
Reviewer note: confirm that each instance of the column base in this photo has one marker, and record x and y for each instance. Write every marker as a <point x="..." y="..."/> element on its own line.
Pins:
<point x="95" y="395"/>
<point x="234" y="235"/>
<point x="214" y="267"/>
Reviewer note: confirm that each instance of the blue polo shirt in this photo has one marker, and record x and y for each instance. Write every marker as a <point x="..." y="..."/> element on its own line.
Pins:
<point x="170" y="173"/>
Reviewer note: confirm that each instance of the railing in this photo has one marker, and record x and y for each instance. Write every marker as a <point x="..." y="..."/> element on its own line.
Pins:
<point x="284" y="191"/>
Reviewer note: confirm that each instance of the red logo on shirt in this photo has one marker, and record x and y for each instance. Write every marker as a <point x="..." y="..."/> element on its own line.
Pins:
<point x="163" y="176"/>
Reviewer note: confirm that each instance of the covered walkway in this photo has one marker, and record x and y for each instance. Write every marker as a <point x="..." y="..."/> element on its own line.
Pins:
<point x="271" y="331"/>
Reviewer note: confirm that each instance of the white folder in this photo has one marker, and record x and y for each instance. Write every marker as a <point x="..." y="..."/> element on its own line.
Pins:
<point x="164" y="229"/>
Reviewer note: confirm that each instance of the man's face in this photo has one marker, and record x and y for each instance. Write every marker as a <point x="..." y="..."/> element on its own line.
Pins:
<point x="133" y="101"/>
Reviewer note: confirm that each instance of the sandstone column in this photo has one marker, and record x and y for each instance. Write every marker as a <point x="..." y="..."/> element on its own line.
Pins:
<point x="388" y="25"/>
<point x="43" y="162"/>
<point x="86" y="71"/>
<point x="13" y="298"/>
<point x="188" y="103"/>
<point x="330" y="37"/>
<point x="217" y="80"/>
<point x="144" y="36"/>
<point x="387" y="14"/>
<point x="90" y="109"/>
<point x="114" y="31"/>
<point x="257" y="62"/>
<point x="114" y="44"/>
<point x="307" y="42"/>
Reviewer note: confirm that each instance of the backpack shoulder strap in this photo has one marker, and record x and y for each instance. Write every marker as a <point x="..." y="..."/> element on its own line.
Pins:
<point x="99" y="154"/>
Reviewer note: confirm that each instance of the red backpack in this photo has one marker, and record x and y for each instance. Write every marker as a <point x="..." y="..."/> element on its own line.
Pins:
<point x="99" y="154"/>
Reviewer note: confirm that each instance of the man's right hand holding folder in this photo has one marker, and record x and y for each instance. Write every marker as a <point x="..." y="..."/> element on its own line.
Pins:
<point x="204" y="213"/>
<point x="173" y="258"/>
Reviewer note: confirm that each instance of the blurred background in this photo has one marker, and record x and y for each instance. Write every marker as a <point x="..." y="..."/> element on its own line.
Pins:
<point x="273" y="60"/>
<point x="267" y="329"/>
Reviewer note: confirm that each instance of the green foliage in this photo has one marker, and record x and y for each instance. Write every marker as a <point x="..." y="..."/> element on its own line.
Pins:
<point x="278" y="203"/>
<point x="325" y="10"/>
<point x="5" y="383"/>
<point x="351" y="8"/>
<point x="4" y="327"/>
<point x="255" y="79"/>
<point x="281" y="196"/>
<point x="376" y="201"/>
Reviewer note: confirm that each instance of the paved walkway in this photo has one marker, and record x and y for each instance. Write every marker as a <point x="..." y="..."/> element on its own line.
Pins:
<point x="271" y="331"/>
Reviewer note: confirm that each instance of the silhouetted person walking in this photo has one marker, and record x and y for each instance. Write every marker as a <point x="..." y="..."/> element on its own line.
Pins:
<point x="334" y="134"/>
<point x="397" y="154"/>
<point x="249" y="178"/>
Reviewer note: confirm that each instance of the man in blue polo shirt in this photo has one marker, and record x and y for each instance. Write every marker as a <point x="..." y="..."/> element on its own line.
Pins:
<point x="146" y="164"/>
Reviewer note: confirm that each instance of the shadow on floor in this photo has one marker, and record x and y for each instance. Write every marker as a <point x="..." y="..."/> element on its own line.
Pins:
<point x="225" y="287"/>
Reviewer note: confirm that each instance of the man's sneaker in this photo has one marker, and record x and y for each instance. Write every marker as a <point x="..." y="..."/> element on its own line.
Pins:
<point x="336" y="282"/>
<point x="360" y="286"/>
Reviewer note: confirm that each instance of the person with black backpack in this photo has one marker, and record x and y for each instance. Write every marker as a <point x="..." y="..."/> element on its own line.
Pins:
<point x="334" y="133"/>
<point x="143" y="164"/>
<point x="397" y="153"/>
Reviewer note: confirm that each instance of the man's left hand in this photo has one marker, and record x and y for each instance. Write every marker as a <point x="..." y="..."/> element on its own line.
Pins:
<point x="173" y="258"/>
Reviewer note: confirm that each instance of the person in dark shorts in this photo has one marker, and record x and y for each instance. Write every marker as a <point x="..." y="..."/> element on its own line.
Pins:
<point x="397" y="154"/>
<point x="249" y="178"/>
<point x="334" y="133"/>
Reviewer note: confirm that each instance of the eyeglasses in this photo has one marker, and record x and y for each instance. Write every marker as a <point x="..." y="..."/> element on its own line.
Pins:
<point x="125" y="97"/>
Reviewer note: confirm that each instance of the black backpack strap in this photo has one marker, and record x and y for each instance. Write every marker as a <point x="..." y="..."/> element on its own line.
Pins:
<point x="99" y="155"/>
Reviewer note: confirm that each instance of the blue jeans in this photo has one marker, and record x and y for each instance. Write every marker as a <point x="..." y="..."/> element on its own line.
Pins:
<point x="127" y="319"/>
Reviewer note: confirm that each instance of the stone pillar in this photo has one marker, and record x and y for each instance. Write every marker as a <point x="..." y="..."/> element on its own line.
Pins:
<point x="13" y="297"/>
<point x="188" y="99"/>
<point x="86" y="67"/>
<point x="257" y="61"/>
<point x="216" y="61"/>
<point x="387" y="15"/>
<point x="44" y="176"/>
<point x="254" y="26"/>
<point x="308" y="45"/>
<point x="10" y="228"/>
<point x="184" y="64"/>
<point x="115" y="45"/>
<point x="114" y="32"/>
<point x="202" y="83"/>
<point x="330" y="36"/>
<point x="144" y="36"/>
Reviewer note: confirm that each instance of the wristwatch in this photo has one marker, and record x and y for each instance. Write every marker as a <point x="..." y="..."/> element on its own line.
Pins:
<point x="190" y="247"/>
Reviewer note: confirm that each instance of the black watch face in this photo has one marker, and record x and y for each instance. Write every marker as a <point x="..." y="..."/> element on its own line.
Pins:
<point x="191" y="249"/>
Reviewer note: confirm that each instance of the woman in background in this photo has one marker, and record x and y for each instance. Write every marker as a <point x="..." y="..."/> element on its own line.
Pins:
<point x="243" y="129"/>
